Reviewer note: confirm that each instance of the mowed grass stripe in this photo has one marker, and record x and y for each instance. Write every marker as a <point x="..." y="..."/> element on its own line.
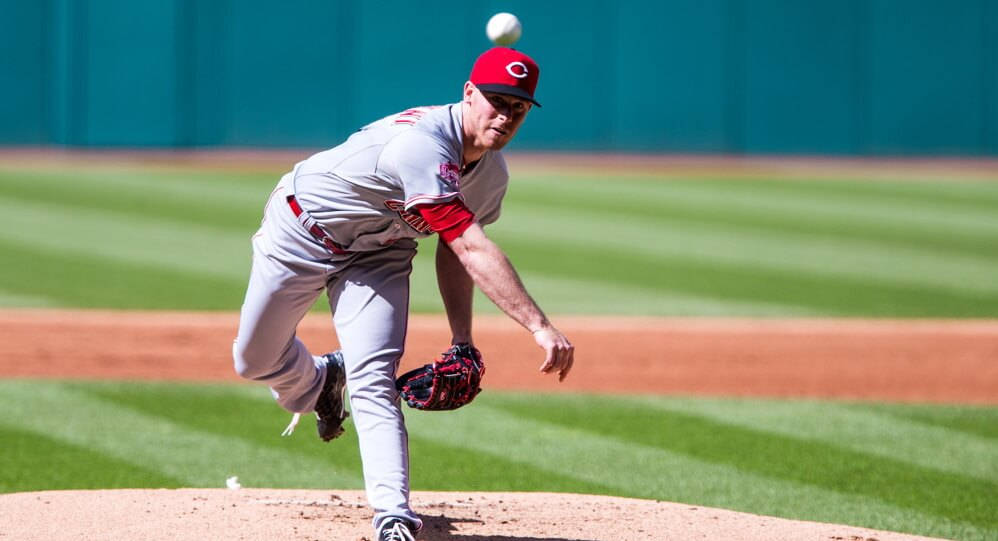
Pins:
<point x="64" y="466"/>
<point x="851" y="426"/>
<point x="215" y="196"/>
<point x="974" y="420"/>
<point x="716" y="212"/>
<point x="956" y="497"/>
<point x="942" y="192"/>
<point x="196" y="458"/>
<point x="9" y="297"/>
<point x="168" y="244"/>
<point x="646" y="255"/>
<point x="219" y="182"/>
<point x="436" y="465"/>
<point x="603" y="294"/>
<point x="837" y="296"/>
<point x="513" y="438"/>
<point x="81" y="280"/>
<point x="249" y="413"/>
<point x="952" y="188"/>
<point x="785" y="250"/>
<point x="637" y="470"/>
<point x="222" y="200"/>
<point x="746" y="204"/>
<point x="795" y="199"/>
<point x="591" y="296"/>
<point x="246" y="412"/>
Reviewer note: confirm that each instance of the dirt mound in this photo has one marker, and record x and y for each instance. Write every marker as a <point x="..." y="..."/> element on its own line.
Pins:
<point x="151" y="515"/>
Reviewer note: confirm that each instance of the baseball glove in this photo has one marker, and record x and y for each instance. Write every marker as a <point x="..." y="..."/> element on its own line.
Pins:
<point x="447" y="383"/>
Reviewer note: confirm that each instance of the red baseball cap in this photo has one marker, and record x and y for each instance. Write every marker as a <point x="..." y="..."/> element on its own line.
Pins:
<point x="506" y="71"/>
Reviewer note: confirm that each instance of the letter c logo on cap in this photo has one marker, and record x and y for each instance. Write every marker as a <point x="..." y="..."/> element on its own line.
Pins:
<point x="517" y="69"/>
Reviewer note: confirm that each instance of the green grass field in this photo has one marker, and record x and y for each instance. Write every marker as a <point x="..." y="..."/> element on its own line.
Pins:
<point x="126" y="237"/>
<point x="133" y="238"/>
<point x="919" y="469"/>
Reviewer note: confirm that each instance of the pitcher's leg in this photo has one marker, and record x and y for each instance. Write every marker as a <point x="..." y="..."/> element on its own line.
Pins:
<point x="370" y="301"/>
<point x="266" y="348"/>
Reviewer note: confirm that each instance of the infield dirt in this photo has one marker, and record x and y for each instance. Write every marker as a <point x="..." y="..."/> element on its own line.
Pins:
<point x="898" y="360"/>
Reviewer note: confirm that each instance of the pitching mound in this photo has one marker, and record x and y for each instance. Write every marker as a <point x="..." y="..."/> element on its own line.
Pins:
<point x="111" y="515"/>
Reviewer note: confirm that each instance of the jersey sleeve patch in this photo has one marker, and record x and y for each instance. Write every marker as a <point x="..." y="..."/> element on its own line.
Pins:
<point x="451" y="172"/>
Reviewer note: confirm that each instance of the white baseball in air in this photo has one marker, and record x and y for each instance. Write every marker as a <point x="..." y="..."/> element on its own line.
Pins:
<point x="503" y="29"/>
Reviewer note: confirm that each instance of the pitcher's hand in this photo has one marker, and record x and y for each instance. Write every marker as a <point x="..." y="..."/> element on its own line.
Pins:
<point x="559" y="352"/>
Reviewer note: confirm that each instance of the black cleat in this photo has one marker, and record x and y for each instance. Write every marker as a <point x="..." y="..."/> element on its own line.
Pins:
<point x="395" y="529"/>
<point x="330" y="409"/>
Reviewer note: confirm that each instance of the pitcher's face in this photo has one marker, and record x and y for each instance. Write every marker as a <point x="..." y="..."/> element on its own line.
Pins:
<point x="492" y="119"/>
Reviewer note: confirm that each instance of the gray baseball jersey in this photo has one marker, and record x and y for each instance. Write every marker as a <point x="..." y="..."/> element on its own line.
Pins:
<point x="343" y="220"/>
<point x="362" y="192"/>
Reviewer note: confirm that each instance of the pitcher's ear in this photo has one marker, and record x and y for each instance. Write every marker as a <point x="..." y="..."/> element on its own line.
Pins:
<point x="469" y="89"/>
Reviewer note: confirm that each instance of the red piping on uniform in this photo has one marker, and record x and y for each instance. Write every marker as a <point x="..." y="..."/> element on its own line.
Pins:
<point x="314" y="229"/>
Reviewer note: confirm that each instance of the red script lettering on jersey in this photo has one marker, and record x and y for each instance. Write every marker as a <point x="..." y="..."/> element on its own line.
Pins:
<point x="411" y="116"/>
<point x="414" y="220"/>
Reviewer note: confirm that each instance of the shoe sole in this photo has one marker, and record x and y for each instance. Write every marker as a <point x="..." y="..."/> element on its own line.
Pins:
<point x="334" y="427"/>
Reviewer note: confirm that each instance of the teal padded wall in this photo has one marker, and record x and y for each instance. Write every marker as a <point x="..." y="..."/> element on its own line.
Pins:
<point x="131" y="79"/>
<point x="927" y="76"/>
<point x="669" y="88"/>
<point x="849" y="77"/>
<point x="574" y="47"/>
<point x="404" y="54"/>
<point x="802" y="76"/>
<point x="23" y="96"/>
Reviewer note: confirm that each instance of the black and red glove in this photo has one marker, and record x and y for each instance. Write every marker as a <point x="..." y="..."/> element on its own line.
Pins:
<point x="447" y="383"/>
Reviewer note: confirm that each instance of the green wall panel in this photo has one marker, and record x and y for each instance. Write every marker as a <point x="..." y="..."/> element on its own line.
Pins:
<point x="672" y="60"/>
<point x="989" y="63"/>
<point x="286" y="71"/>
<point x="735" y="76"/>
<point x="22" y="75"/>
<point x="419" y="55"/>
<point x="210" y="73"/>
<point x="927" y="76"/>
<point x="65" y="71"/>
<point x="573" y="48"/>
<point x="802" y="76"/>
<point x="132" y="73"/>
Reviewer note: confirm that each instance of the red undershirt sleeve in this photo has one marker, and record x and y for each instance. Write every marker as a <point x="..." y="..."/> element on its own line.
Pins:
<point x="448" y="219"/>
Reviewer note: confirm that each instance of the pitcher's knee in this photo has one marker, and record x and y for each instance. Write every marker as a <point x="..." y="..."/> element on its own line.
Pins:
<point x="250" y="364"/>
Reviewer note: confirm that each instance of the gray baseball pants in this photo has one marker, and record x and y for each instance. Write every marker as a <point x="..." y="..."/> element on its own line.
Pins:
<point x="369" y="299"/>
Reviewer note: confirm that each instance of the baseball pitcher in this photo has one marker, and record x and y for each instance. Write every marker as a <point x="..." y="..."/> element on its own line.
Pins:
<point x="346" y="221"/>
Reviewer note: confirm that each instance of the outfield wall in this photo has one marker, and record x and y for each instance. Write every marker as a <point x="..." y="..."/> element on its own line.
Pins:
<point x="863" y="77"/>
